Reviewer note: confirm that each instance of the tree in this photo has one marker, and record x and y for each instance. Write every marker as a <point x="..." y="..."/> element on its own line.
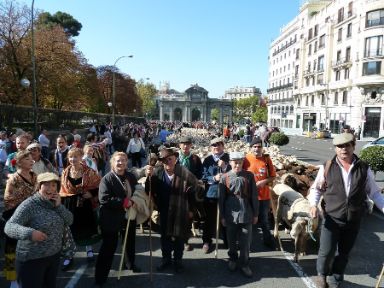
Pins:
<point x="245" y="107"/>
<point x="146" y="92"/>
<point x="260" y="115"/>
<point x="215" y="114"/>
<point x="70" y="25"/>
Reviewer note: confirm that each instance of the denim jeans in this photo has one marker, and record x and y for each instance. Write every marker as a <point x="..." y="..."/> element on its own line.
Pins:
<point x="242" y="233"/>
<point x="264" y="206"/>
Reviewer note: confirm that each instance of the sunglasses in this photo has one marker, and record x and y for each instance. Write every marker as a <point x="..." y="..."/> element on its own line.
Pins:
<point x="347" y="145"/>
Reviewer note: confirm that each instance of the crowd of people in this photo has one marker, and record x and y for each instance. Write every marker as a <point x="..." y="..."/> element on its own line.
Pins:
<point x="82" y="192"/>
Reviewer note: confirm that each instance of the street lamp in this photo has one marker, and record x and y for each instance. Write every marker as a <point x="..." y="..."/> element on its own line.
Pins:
<point x="114" y="87"/>
<point x="34" y="96"/>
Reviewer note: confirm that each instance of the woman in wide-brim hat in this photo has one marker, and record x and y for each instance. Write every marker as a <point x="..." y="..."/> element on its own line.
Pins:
<point x="38" y="225"/>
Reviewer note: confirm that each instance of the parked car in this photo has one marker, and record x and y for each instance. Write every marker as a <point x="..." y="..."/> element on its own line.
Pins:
<point x="378" y="141"/>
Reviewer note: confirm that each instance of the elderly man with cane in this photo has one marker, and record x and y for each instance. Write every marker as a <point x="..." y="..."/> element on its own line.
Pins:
<point x="175" y="191"/>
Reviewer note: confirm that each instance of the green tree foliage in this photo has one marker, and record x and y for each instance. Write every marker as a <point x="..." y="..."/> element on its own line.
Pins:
<point x="215" y="114"/>
<point x="260" y="115"/>
<point x="70" y="25"/>
<point x="146" y="92"/>
<point x="374" y="156"/>
<point x="245" y="107"/>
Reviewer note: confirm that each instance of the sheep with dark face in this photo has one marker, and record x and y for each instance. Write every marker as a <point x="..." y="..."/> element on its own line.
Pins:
<point x="294" y="210"/>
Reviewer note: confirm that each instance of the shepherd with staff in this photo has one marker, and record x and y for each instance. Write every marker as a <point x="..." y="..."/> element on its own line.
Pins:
<point x="115" y="196"/>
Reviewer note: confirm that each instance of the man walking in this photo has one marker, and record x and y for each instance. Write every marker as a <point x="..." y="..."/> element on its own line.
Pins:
<point x="345" y="183"/>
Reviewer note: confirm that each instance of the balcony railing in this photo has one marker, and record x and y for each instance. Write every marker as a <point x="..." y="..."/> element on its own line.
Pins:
<point x="373" y="53"/>
<point x="285" y="86"/>
<point x="284" y="47"/>
<point x="341" y="63"/>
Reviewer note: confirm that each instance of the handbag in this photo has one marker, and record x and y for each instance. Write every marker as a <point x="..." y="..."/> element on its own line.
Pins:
<point x="68" y="249"/>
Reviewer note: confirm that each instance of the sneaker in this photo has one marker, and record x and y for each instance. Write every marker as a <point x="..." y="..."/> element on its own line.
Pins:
<point x="164" y="265"/>
<point x="206" y="247"/>
<point x="320" y="281"/>
<point x="67" y="263"/>
<point x="247" y="272"/>
<point x="232" y="265"/>
<point x="90" y="256"/>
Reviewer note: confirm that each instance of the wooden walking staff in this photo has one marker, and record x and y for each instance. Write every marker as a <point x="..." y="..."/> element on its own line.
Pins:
<point x="217" y="230"/>
<point x="152" y="162"/>
<point x="124" y="243"/>
<point x="381" y="276"/>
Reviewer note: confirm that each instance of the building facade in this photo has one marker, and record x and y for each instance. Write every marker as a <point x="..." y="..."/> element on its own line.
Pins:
<point x="325" y="69"/>
<point x="237" y="93"/>
<point x="193" y="105"/>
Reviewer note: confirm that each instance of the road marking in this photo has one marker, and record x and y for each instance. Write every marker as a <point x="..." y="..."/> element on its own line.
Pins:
<point x="76" y="277"/>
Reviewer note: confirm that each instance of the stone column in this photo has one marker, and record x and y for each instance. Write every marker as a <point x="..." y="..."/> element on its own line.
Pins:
<point x="161" y="112"/>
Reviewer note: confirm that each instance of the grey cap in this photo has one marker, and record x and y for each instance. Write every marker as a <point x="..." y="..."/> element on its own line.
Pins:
<point x="217" y="140"/>
<point x="343" y="138"/>
<point x="186" y="139"/>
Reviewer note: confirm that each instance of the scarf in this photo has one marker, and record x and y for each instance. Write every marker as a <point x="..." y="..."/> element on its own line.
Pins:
<point x="185" y="160"/>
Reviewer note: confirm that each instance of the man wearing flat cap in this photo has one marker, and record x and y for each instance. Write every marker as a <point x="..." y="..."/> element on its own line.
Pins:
<point x="193" y="163"/>
<point x="214" y="166"/>
<point x="174" y="190"/>
<point x="239" y="209"/>
<point x="41" y="164"/>
<point x="345" y="182"/>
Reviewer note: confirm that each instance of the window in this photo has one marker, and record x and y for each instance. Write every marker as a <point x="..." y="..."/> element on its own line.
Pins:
<point x="307" y="82"/>
<point x="322" y="41"/>
<point x="313" y="100"/>
<point x="309" y="49"/>
<point x="316" y="30"/>
<point x="306" y="100"/>
<point x="320" y="64"/>
<point x="375" y="18"/>
<point x="371" y="68"/>
<point x="348" y="54"/>
<point x="339" y="34"/>
<point x="298" y="101"/>
<point x="297" y="54"/>
<point x="346" y="73"/>
<point x="349" y="30"/>
<point x="336" y="98"/>
<point x="315" y="47"/>
<point x="350" y="9"/>
<point x="373" y="46"/>
<point x="320" y="79"/>
<point x="345" y="96"/>
<point x="337" y="75"/>
<point x="322" y="98"/>
<point x="314" y="65"/>
<point x="338" y="56"/>
<point x="340" y="15"/>
<point x="309" y="67"/>
<point x="310" y="34"/>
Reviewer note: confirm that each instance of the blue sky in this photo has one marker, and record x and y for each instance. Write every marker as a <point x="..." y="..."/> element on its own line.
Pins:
<point x="217" y="44"/>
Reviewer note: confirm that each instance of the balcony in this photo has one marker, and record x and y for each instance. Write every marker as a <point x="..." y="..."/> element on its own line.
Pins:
<point x="281" y="87"/>
<point x="373" y="53"/>
<point x="284" y="47"/>
<point x="341" y="63"/>
<point x="308" y="73"/>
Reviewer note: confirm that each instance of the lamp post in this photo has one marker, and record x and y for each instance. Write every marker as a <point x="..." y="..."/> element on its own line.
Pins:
<point x="34" y="96"/>
<point x="114" y="87"/>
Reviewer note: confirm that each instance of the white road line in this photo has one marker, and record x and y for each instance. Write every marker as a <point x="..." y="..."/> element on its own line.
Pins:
<point x="299" y="271"/>
<point x="76" y="277"/>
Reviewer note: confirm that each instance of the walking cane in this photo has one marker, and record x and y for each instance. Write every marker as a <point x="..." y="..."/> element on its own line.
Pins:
<point x="152" y="162"/>
<point x="217" y="229"/>
<point x="124" y="244"/>
<point x="381" y="276"/>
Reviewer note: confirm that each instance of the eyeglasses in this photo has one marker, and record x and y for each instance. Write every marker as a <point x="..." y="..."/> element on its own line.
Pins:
<point x="341" y="146"/>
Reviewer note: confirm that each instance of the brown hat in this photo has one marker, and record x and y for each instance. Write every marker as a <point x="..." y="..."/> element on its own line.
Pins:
<point x="164" y="152"/>
<point x="47" y="177"/>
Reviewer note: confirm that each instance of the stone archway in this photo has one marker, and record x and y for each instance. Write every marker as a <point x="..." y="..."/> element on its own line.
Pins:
<point x="196" y="114"/>
<point x="178" y="114"/>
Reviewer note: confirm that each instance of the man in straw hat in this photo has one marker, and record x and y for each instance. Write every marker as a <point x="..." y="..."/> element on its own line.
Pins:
<point x="41" y="164"/>
<point x="174" y="189"/>
<point x="344" y="182"/>
<point x="213" y="167"/>
<point x="239" y="208"/>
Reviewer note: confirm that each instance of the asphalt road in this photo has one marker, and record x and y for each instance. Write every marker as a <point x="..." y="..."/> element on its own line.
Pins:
<point x="271" y="268"/>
